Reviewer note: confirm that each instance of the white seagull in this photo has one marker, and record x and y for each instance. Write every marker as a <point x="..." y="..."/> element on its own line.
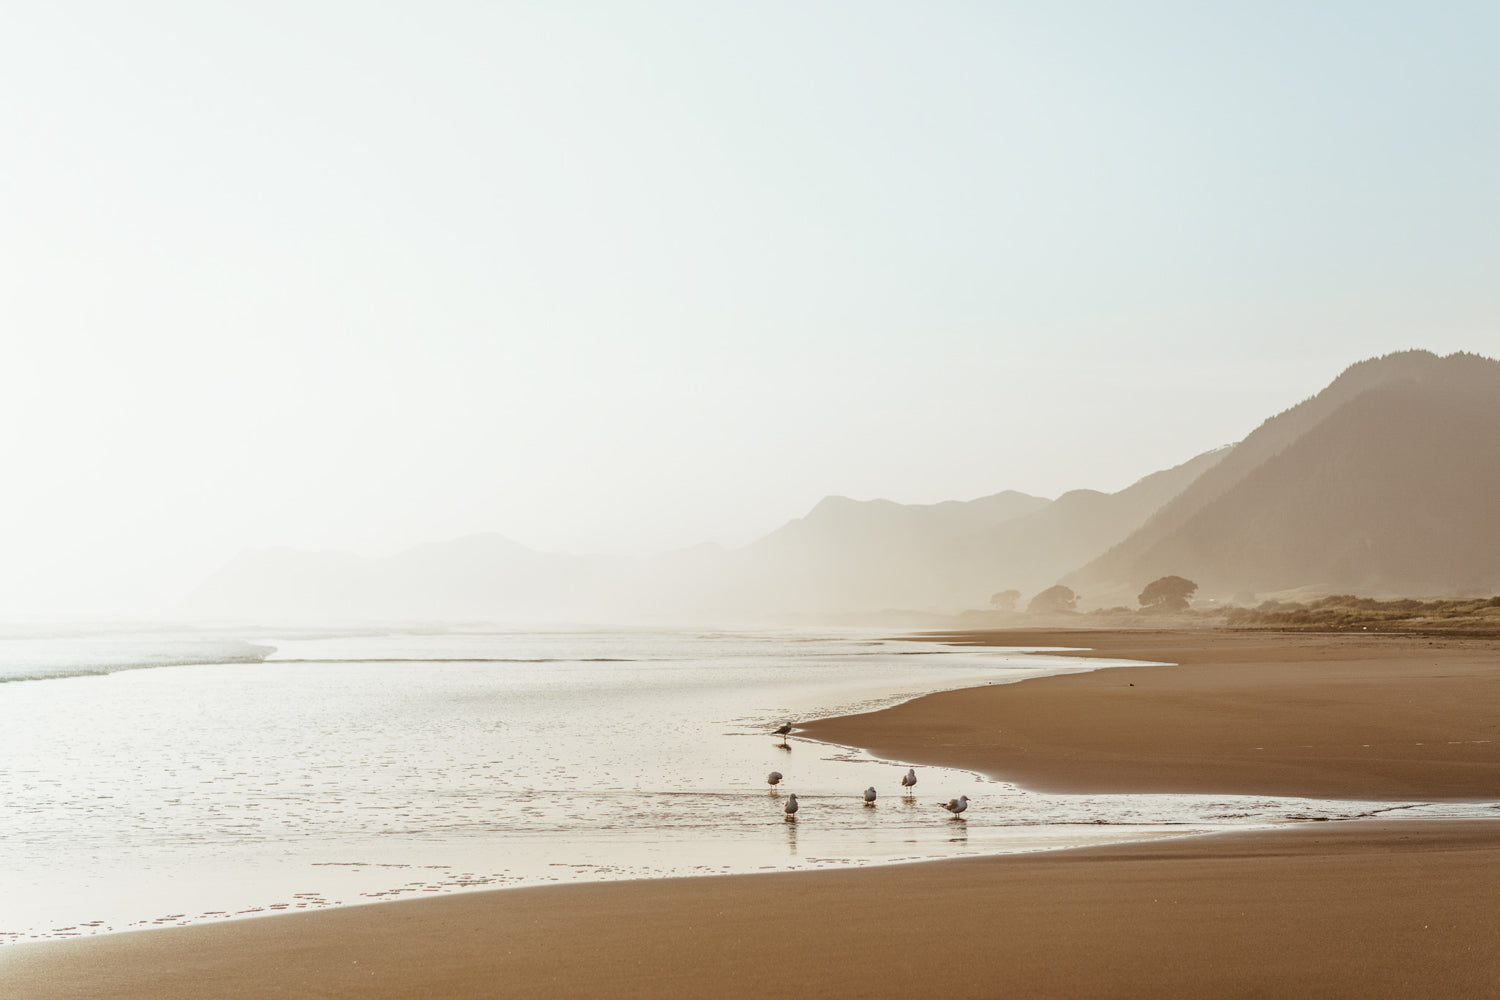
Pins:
<point x="791" y="806"/>
<point x="956" y="806"/>
<point x="909" y="779"/>
<point x="870" y="796"/>
<point x="773" y="779"/>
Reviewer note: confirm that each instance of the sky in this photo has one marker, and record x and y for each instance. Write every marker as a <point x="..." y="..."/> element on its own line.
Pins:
<point x="624" y="277"/>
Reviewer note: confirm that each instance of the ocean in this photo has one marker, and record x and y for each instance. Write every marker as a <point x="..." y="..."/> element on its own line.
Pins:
<point x="163" y="775"/>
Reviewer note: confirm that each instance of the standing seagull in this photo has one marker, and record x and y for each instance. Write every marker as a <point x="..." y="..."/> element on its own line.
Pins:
<point x="909" y="780"/>
<point x="791" y="807"/>
<point x="870" y="796"/>
<point x="783" y="729"/>
<point x="773" y="779"/>
<point x="956" y="806"/>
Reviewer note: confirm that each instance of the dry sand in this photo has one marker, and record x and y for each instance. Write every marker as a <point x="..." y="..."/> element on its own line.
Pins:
<point x="1359" y="909"/>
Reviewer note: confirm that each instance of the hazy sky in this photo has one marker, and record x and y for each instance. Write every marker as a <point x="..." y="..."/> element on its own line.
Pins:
<point x="625" y="276"/>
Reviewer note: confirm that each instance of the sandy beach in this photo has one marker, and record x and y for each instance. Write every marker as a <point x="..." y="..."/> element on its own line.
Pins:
<point x="1317" y="715"/>
<point x="1374" y="908"/>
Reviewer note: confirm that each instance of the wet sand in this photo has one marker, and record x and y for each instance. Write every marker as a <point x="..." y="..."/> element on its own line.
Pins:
<point x="1358" y="909"/>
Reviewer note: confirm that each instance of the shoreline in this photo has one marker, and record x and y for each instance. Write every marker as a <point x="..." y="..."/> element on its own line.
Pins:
<point x="1338" y="909"/>
<point x="595" y="843"/>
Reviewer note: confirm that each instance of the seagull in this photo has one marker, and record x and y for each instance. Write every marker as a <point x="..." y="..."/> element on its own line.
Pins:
<point x="791" y="806"/>
<point x="909" y="779"/>
<point x="870" y="796"/>
<point x="773" y="779"/>
<point x="956" y="806"/>
<point x="783" y="729"/>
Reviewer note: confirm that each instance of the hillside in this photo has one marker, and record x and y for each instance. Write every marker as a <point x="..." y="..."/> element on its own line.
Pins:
<point x="1031" y="553"/>
<point x="1386" y="483"/>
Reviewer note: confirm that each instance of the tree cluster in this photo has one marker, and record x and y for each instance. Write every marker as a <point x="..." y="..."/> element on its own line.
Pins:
<point x="1053" y="600"/>
<point x="1169" y="593"/>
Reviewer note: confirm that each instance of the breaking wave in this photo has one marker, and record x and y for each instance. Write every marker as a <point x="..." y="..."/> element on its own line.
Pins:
<point x="56" y="658"/>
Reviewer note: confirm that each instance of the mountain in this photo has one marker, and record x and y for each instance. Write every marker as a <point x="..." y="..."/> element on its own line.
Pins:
<point x="865" y="555"/>
<point x="1032" y="552"/>
<point x="279" y="581"/>
<point x="1386" y="483"/>
<point x="844" y="557"/>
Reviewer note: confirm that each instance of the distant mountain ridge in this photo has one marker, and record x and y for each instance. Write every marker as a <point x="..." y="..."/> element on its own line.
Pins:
<point x="848" y="556"/>
<point x="1032" y="552"/>
<point x="1386" y="483"/>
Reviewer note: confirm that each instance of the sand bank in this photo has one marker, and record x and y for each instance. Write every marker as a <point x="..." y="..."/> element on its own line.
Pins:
<point x="1325" y="715"/>
<point x="1367" y="909"/>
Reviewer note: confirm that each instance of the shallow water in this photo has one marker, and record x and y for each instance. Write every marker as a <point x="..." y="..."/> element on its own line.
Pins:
<point x="358" y="768"/>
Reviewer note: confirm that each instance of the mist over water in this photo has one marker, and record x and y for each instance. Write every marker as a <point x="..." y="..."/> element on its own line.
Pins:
<point x="356" y="768"/>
